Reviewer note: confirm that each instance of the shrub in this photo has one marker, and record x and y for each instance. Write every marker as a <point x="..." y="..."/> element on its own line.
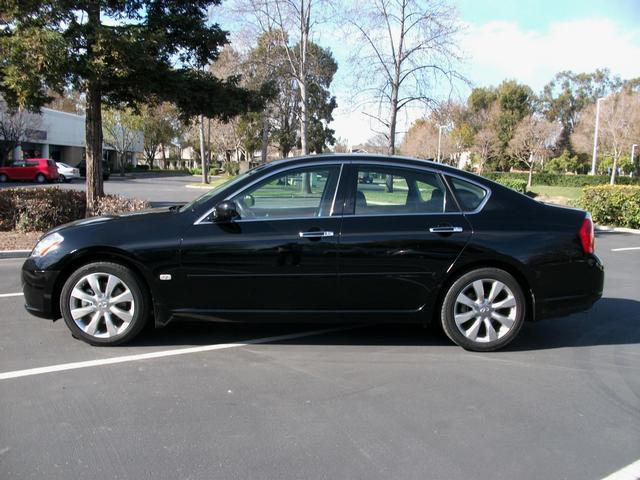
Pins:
<point x="514" y="183"/>
<point x="613" y="205"/>
<point x="553" y="179"/>
<point x="40" y="209"/>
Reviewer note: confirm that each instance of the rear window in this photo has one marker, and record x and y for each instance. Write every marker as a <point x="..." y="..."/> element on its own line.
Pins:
<point x="51" y="163"/>
<point x="469" y="195"/>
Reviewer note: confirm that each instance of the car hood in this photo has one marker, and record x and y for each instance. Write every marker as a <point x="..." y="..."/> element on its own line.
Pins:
<point x="138" y="216"/>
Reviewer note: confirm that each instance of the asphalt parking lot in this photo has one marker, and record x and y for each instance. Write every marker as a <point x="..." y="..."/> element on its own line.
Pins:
<point x="376" y="401"/>
<point x="153" y="188"/>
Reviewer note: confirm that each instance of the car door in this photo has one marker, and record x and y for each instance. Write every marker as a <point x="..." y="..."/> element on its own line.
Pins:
<point x="18" y="169"/>
<point x="31" y="169"/>
<point x="281" y="254"/>
<point x="401" y="231"/>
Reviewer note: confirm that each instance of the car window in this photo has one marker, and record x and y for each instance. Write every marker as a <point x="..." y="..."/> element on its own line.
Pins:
<point x="384" y="190"/>
<point x="18" y="163"/>
<point x="32" y="163"/>
<point x="294" y="193"/>
<point x="469" y="195"/>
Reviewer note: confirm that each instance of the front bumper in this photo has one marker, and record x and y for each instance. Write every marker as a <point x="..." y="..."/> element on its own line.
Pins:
<point x="40" y="297"/>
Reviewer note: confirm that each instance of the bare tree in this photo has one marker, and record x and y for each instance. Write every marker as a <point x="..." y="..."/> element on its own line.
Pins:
<point x="15" y="127"/>
<point x="122" y="131"/>
<point x="406" y="47"/>
<point x="619" y="127"/>
<point x="291" y="22"/>
<point x="532" y="141"/>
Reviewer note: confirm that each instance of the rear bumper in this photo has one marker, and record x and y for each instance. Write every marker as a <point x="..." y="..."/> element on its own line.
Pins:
<point x="586" y="286"/>
<point x="39" y="296"/>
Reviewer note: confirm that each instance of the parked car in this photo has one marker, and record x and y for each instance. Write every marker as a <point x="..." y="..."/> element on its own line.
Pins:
<point x="66" y="173"/>
<point x="443" y="246"/>
<point x="39" y="170"/>
<point x="106" y="169"/>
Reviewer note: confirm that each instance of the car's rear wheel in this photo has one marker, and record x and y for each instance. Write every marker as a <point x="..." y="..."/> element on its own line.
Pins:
<point x="3" y="177"/>
<point x="483" y="310"/>
<point x="40" y="178"/>
<point x="104" y="303"/>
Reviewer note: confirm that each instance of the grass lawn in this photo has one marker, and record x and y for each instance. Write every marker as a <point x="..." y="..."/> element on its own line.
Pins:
<point x="556" y="194"/>
<point x="214" y="182"/>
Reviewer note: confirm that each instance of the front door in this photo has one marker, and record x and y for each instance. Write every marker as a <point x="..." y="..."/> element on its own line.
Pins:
<point x="401" y="231"/>
<point x="281" y="254"/>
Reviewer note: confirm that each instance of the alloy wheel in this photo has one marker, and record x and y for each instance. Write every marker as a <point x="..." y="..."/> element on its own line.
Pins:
<point x="102" y="305"/>
<point x="485" y="310"/>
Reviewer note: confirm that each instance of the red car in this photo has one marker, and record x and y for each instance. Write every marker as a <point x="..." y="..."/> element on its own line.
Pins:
<point x="35" y="169"/>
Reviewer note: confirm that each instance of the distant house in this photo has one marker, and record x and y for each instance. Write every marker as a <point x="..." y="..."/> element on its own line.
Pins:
<point x="61" y="137"/>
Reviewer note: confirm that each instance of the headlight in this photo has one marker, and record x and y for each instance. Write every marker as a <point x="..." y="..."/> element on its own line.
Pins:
<point x="47" y="245"/>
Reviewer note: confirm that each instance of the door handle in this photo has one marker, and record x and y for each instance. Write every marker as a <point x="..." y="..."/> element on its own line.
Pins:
<point x="315" y="234"/>
<point x="445" y="229"/>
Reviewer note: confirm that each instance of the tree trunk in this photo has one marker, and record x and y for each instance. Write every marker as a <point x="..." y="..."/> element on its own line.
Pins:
<point x="265" y="137"/>
<point x="304" y="117"/>
<point x="164" y="155"/>
<point x="530" y="181"/>
<point x="122" y="157"/>
<point x="203" y="158"/>
<point x="93" y="119"/>
<point x="93" y="134"/>
<point x="614" y="170"/>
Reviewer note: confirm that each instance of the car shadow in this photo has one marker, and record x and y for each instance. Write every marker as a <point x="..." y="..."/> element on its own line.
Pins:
<point x="611" y="321"/>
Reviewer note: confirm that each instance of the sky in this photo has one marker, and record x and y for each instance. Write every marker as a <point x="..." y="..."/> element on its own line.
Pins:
<point x="528" y="41"/>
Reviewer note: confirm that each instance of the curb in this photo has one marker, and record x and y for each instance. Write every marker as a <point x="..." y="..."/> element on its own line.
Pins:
<point x="198" y="186"/>
<point x="604" y="228"/>
<point x="14" y="253"/>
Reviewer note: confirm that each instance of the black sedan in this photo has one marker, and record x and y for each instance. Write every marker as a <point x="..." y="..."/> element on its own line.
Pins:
<point x="304" y="240"/>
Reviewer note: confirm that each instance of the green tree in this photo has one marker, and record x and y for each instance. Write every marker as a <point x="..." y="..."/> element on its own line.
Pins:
<point x="568" y="93"/>
<point x="121" y="53"/>
<point x="122" y="131"/>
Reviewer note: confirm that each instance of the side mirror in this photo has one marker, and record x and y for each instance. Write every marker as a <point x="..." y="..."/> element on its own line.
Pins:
<point x="226" y="212"/>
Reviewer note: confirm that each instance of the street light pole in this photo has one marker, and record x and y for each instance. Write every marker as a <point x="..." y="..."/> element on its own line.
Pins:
<point x="633" y="154"/>
<point x="439" y="141"/>
<point x="595" y="138"/>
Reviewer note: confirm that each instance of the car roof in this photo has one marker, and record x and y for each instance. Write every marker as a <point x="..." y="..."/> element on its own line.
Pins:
<point x="399" y="159"/>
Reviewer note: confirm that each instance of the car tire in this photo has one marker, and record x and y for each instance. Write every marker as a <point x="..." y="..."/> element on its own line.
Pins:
<point x="40" y="178"/>
<point x="62" y="178"/>
<point x="3" y="178"/>
<point x="112" y="315"/>
<point x="483" y="310"/>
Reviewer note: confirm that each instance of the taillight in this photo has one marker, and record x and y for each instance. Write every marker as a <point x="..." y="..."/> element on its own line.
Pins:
<point x="587" y="236"/>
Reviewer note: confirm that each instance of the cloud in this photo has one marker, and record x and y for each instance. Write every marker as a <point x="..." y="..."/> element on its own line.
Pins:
<point x="499" y="50"/>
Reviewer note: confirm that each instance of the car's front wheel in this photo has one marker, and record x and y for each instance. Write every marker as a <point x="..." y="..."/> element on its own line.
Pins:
<point x="483" y="310"/>
<point x="104" y="303"/>
<point x="62" y="178"/>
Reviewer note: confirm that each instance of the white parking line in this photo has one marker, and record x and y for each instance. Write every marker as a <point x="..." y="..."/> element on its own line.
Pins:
<point x="4" y="295"/>
<point x="630" y="472"/>
<point x="624" y="249"/>
<point x="161" y="354"/>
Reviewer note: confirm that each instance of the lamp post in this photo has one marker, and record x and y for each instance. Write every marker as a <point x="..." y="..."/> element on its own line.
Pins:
<point x="595" y="138"/>
<point x="633" y="154"/>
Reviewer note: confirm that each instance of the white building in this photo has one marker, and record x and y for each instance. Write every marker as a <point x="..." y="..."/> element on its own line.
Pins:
<point x="61" y="137"/>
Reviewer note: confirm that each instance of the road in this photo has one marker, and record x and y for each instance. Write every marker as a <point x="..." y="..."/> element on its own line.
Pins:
<point x="151" y="187"/>
<point x="373" y="402"/>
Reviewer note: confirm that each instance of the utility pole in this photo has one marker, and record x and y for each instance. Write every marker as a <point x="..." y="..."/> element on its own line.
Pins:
<point x="595" y="138"/>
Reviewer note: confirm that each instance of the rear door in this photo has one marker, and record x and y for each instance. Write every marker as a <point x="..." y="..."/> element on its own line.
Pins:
<point x="18" y="170"/>
<point x="401" y="231"/>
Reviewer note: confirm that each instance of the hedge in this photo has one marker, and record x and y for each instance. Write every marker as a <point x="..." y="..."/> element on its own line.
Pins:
<point x="514" y="183"/>
<point x="555" y="179"/>
<point x="613" y="205"/>
<point x="40" y="209"/>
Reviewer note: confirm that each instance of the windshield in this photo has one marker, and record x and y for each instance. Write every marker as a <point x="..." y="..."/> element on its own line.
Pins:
<point x="218" y="188"/>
